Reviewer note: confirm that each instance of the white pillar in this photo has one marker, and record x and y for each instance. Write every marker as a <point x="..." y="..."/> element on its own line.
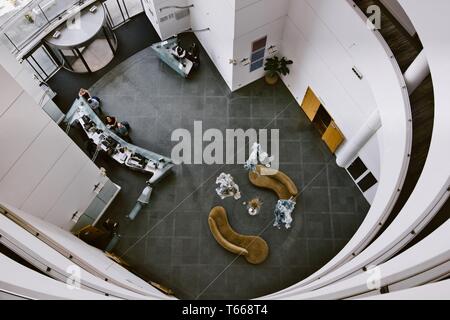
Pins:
<point x="417" y="72"/>
<point x="354" y="145"/>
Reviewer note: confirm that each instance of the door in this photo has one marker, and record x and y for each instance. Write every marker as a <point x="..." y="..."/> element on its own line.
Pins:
<point x="311" y="104"/>
<point x="333" y="137"/>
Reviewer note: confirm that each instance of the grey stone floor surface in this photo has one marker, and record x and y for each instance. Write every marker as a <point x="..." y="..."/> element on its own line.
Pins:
<point x="170" y="241"/>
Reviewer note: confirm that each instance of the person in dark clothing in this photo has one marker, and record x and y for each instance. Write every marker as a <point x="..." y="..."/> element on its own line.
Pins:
<point x="111" y="122"/>
<point x="90" y="147"/>
<point x="122" y="130"/>
<point x="194" y="55"/>
<point x="83" y="93"/>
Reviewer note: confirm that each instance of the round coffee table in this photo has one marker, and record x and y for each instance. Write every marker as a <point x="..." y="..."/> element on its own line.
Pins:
<point x="86" y="42"/>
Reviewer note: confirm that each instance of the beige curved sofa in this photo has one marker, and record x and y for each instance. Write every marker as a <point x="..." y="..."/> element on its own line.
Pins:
<point x="253" y="248"/>
<point x="274" y="180"/>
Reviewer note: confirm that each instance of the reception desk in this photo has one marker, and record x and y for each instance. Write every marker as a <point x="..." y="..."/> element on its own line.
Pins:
<point x="125" y="153"/>
<point x="164" y="50"/>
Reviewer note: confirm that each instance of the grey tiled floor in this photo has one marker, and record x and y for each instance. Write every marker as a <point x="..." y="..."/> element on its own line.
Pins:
<point x="170" y="242"/>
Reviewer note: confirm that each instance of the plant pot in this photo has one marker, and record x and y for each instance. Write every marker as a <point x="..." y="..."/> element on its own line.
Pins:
<point x="271" y="80"/>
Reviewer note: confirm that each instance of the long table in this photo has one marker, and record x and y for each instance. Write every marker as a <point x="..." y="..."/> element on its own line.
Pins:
<point x="123" y="152"/>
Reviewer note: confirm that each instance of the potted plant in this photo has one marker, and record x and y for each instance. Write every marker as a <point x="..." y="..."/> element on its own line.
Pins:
<point x="276" y="66"/>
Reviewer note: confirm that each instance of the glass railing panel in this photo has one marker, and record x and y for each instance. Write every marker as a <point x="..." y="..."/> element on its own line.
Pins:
<point x="9" y="8"/>
<point x="134" y="7"/>
<point x="43" y="62"/>
<point x="26" y="24"/>
<point x="53" y="8"/>
<point x="116" y="12"/>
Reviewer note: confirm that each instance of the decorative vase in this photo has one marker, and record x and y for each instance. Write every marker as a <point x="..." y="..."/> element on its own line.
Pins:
<point x="272" y="79"/>
<point x="254" y="206"/>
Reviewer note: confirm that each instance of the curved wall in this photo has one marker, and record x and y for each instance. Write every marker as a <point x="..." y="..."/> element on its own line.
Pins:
<point x="375" y="60"/>
<point x="33" y="285"/>
<point x="432" y="189"/>
<point x="426" y="261"/>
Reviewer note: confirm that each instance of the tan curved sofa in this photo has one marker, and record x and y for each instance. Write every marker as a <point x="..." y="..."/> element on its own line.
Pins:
<point x="276" y="181"/>
<point x="253" y="248"/>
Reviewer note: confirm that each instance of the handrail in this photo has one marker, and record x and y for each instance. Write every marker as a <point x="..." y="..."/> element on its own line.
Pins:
<point x="36" y="37"/>
<point x="432" y="189"/>
<point x="394" y="159"/>
<point x="428" y="255"/>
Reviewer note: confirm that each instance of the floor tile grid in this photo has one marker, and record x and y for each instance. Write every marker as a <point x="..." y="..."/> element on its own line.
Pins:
<point x="260" y="234"/>
<point x="196" y="189"/>
<point x="298" y="247"/>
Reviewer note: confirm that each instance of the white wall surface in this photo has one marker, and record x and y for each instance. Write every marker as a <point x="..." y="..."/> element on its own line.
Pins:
<point x="22" y="74"/>
<point x="33" y="285"/>
<point x="218" y="42"/>
<point x="255" y="20"/>
<point x="243" y="47"/>
<point x="432" y="291"/>
<point x="168" y="27"/>
<point x="431" y="252"/>
<point x="41" y="169"/>
<point x="397" y="11"/>
<point x="431" y="191"/>
<point x="259" y="14"/>
<point x="54" y="264"/>
<point x="374" y="59"/>
<point x="240" y="4"/>
<point x="315" y="47"/>
<point x="152" y="15"/>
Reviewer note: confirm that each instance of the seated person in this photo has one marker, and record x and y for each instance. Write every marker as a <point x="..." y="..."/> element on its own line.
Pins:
<point x="179" y="53"/>
<point x="122" y="129"/>
<point x="83" y="93"/>
<point x="90" y="147"/>
<point x="111" y="122"/>
<point x="94" y="103"/>
<point x="194" y="54"/>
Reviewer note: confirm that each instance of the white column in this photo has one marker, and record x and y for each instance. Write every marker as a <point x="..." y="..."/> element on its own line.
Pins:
<point x="354" y="145"/>
<point x="417" y="72"/>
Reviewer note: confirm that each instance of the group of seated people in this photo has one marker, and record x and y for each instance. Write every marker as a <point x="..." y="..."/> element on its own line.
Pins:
<point x="121" y="128"/>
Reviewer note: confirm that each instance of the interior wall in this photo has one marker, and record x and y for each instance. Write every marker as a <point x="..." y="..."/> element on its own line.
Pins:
<point x="218" y="41"/>
<point x="56" y="265"/>
<point x="315" y="48"/>
<point x="21" y="74"/>
<point x="397" y="11"/>
<point x="33" y="285"/>
<point x="253" y="22"/>
<point x="166" y="22"/>
<point x="41" y="169"/>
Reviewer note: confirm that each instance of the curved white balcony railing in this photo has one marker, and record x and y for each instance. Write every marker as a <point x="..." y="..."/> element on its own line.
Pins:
<point x="53" y="263"/>
<point x="432" y="189"/>
<point x="433" y="291"/>
<point x="377" y="62"/>
<point x="432" y="253"/>
<point x="32" y="285"/>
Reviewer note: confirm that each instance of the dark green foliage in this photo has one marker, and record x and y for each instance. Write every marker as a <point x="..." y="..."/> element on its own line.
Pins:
<point x="276" y="66"/>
